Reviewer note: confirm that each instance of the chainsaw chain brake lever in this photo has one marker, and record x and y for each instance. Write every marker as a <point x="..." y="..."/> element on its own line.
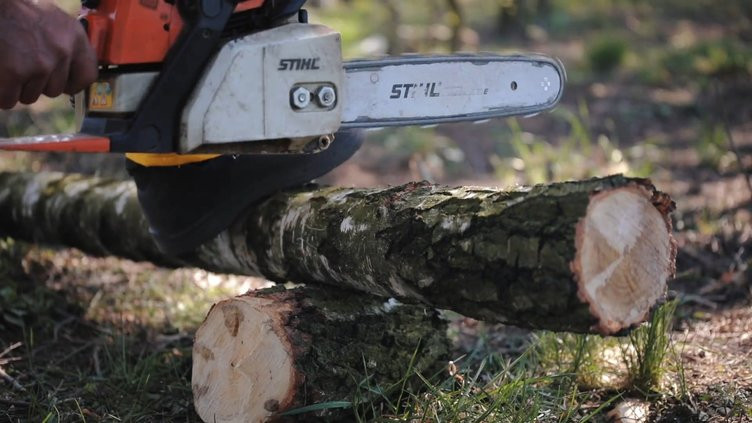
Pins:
<point x="154" y="128"/>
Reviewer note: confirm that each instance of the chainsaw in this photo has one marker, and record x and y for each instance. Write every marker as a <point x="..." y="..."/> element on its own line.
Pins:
<point x="228" y="76"/>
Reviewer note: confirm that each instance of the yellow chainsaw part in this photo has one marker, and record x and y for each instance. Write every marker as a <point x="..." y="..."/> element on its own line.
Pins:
<point x="169" y="159"/>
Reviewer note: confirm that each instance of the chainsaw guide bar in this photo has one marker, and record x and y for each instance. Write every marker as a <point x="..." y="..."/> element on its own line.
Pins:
<point x="425" y="90"/>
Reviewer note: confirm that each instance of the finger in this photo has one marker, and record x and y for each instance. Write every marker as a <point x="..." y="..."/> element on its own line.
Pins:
<point x="32" y="90"/>
<point x="9" y="94"/>
<point x="57" y="81"/>
<point x="36" y="80"/>
<point x="82" y="70"/>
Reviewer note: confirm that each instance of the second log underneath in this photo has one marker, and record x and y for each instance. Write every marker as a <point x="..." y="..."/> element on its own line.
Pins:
<point x="259" y="355"/>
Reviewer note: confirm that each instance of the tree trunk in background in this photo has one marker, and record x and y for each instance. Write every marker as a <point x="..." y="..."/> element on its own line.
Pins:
<point x="457" y="23"/>
<point x="515" y="15"/>
<point x="271" y="351"/>
<point x="580" y="256"/>
<point x="509" y="20"/>
<point x="396" y="46"/>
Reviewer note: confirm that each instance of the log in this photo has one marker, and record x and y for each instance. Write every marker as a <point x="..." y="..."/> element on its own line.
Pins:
<point x="584" y="256"/>
<point x="267" y="352"/>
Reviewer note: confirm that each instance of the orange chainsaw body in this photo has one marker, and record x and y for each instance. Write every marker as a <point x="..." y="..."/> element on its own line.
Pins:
<point x="164" y="35"/>
<point x="137" y="31"/>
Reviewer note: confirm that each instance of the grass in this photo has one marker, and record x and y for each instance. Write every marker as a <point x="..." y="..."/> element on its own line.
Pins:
<point x="494" y="389"/>
<point x="132" y="385"/>
<point x="578" y="155"/>
<point x="100" y="339"/>
<point x="650" y="345"/>
<point x="553" y="380"/>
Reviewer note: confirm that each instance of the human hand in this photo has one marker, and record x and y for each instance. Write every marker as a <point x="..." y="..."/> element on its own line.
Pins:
<point x="42" y="51"/>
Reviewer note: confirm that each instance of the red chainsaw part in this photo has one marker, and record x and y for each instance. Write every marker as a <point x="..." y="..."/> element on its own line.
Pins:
<point x="77" y="143"/>
<point x="134" y="32"/>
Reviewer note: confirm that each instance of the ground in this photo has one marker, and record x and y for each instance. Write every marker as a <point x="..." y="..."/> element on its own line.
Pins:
<point x="656" y="89"/>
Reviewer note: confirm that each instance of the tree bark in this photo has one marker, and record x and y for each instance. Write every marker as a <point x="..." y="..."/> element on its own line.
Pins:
<point x="586" y="256"/>
<point x="267" y="352"/>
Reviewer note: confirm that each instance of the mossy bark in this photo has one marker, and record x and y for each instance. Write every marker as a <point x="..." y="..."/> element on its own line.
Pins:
<point x="501" y="256"/>
<point x="338" y="343"/>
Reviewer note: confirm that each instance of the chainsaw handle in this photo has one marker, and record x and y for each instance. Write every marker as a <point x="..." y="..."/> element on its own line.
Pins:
<point x="155" y="126"/>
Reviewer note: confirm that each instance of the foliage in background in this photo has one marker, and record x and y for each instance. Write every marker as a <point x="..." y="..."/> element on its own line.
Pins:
<point x="535" y="160"/>
<point x="709" y="59"/>
<point x="607" y="53"/>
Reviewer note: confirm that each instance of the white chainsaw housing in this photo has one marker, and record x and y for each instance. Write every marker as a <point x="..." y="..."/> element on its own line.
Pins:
<point x="246" y="94"/>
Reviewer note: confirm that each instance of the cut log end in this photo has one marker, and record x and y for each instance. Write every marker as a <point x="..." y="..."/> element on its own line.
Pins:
<point x="242" y="362"/>
<point x="268" y="352"/>
<point x="625" y="256"/>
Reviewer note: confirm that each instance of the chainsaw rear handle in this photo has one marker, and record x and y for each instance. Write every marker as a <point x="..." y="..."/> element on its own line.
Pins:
<point x="154" y="126"/>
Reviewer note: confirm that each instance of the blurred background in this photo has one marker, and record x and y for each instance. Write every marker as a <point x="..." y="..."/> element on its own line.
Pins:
<point x="654" y="86"/>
